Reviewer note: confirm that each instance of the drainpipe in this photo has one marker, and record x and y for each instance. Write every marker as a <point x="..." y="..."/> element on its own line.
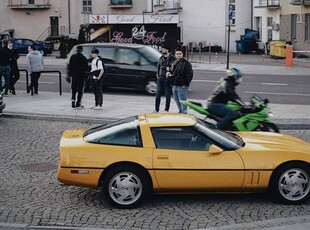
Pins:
<point x="69" y="17"/>
<point x="252" y="14"/>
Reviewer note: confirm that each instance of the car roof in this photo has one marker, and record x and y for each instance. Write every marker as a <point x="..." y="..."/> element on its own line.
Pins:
<point x="168" y="119"/>
<point x="111" y="44"/>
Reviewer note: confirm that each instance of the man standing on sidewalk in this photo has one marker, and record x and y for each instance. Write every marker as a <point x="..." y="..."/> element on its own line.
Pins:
<point x="163" y="83"/>
<point x="6" y="57"/>
<point x="181" y="75"/>
<point x="97" y="71"/>
<point x="35" y="64"/>
<point x="77" y="70"/>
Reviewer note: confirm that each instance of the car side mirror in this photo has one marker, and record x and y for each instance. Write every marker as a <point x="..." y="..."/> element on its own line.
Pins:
<point x="215" y="150"/>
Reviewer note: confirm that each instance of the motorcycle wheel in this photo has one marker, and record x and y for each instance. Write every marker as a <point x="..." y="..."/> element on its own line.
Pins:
<point x="269" y="127"/>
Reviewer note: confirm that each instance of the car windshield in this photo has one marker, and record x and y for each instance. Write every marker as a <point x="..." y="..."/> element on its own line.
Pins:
<point x="150" y="53"/>
<point x="224" y="139"/>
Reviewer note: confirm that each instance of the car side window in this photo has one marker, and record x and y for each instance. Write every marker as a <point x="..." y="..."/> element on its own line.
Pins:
<point x="128" y="57"/>
<point x="125" y="134"/>
<point x="28" y="42"/>
<point x="179" y="138"/>
<point x="107" y="54"/>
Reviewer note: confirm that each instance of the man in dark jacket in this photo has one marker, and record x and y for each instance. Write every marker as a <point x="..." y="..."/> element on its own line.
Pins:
<point x="6" y="56"/>
<point x="163" y="83"/>
<point x="181" y="74"/>
<point x="78" y="66"/>
<point x="224" y="92"/>
<point x="14" y="70"/>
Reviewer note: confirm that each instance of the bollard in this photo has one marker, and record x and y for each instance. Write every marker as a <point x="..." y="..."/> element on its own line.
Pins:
<point x="209" y="53"/>
<point x="289" y="56"/>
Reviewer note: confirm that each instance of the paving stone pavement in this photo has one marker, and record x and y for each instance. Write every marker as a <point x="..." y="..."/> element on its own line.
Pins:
<point x="32" y="198"/>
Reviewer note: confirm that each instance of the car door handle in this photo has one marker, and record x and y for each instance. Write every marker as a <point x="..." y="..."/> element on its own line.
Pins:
<point x="162" y="157"/>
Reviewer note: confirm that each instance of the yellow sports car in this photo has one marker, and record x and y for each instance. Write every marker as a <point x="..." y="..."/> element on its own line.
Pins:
<point x="177" y="153"/>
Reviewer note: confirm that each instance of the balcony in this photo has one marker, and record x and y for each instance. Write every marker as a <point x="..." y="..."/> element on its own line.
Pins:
<point x="270" y="4"/>
<point x="29" y="4"/>
<point x="297" y="2"/>
<point x="301" y="2"/>
<point x="120" y="3"/>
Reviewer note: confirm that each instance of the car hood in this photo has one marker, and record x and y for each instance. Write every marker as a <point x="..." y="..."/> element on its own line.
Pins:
<point x="273" y="141"/>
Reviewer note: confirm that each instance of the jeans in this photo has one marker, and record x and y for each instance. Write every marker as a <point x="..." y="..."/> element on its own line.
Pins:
<point x="224" y="112"/>
<point x="97" y="88"/>
<point x="6" y="72"/>
<point x="35" y="81"/>
<point x="77" y="87"/>
<point x="163" y="85"/>
<point x="180" y="94"/>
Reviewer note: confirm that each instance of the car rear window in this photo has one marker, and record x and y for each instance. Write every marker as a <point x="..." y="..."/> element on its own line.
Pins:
<point x="125" y="132"/>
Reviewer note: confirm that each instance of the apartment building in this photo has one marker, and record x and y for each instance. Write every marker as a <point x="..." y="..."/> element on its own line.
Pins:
<point x="139" y="21"/>
<point x="295" y="23"/>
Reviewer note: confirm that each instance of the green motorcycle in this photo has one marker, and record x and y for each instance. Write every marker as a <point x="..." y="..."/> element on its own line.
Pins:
<point x="252" y="118"/>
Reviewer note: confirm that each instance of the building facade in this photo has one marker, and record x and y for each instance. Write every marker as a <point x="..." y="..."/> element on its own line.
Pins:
<point x="154" y="21"/>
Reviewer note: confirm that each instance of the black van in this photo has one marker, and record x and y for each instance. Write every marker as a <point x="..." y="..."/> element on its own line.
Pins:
<point x="127" y="65"/>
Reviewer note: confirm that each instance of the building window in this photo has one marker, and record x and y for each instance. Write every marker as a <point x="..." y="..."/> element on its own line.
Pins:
<point x="159" y="2"/>
<point x="31" y="2"/>
<point x="307" y="32"/>
<point x="293" y="27"/>
<point x="121" y="2"/>
<point x="86" y="6"/>
<point x="269" y="21"/>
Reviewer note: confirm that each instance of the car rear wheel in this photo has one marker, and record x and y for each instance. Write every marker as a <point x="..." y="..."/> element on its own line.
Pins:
<point x="126" y="186"/>
<point x="290" y="184"/>
<point x="151" y="86"/>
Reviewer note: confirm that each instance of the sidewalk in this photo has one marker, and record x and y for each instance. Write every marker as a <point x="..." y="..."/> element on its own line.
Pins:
<point x="52" y="106"/>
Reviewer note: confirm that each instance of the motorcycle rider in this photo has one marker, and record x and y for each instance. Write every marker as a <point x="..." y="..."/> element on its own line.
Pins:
<point x="224" y="92"/>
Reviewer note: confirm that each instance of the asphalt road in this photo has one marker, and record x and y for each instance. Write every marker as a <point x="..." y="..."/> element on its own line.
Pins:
<point x="277" y="88"/>
<point x="31" y="197"/>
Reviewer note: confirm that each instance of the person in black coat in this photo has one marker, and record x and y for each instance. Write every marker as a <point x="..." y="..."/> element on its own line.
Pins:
<point x="78" y="66"/>
<point x="180" y="75"/>
<point x="14" y="70"/>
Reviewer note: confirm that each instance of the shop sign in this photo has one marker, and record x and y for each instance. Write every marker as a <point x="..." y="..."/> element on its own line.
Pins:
<point x="161" y="19"/>
<point x="98" y="19"/>
<point x="125" y="19"/>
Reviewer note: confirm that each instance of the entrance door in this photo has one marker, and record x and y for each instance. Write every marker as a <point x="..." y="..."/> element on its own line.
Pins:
<point x="54" y="26"/>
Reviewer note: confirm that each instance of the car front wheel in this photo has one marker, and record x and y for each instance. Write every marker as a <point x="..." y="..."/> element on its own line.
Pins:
<point x="290" y="184"/>
<point x="151" y="86"/>
<point x="125" y="186"/>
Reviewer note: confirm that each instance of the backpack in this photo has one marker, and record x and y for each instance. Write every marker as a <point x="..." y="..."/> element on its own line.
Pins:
<point x="104" y="68"/>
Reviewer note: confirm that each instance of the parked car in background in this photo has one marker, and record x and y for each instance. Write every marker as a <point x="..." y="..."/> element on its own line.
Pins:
<point x="127" y="65"/>
<point x="2" y="104"/>
<point x="21" y="46"/>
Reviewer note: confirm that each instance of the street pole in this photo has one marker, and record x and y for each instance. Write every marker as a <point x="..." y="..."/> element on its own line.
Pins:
<point x="227" y="66"/>
<point x="230" y="15"/>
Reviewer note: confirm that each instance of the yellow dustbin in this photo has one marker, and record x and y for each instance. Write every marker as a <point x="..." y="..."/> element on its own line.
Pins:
<point x="280" y="50"/>
<point x="272" y="48"/>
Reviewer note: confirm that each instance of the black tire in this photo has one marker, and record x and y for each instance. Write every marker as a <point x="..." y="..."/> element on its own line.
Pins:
<point x="151" y="86"/>
<point x="269" y="127"/>
<point x="126" y="186"/>
<point x="290" y="184"/>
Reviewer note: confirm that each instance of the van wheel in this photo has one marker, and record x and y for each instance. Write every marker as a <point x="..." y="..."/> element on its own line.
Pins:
<point x="151" y="86"/>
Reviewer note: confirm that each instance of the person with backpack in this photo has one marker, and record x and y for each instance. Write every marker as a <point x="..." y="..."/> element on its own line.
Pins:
<point x="78" y="68"/>
<point x="96" y="74"/>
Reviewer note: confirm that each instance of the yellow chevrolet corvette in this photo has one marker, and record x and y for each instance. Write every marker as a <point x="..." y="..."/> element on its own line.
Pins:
<point x="176" y="153"/>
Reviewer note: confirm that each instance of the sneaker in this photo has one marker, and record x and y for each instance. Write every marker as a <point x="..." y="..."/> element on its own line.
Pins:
<point x="98" y="107"/>
<point x="155" y="111"/>
<point x="166" y="111"/>
<point x="93" y="106"/>
<point x="12" y="91"/>
<point x="79" y="106"/>
<point x="73" y="104"/>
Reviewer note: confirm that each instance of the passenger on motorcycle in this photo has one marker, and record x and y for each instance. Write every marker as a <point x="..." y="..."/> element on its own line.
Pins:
<point x="224" y="92"/>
